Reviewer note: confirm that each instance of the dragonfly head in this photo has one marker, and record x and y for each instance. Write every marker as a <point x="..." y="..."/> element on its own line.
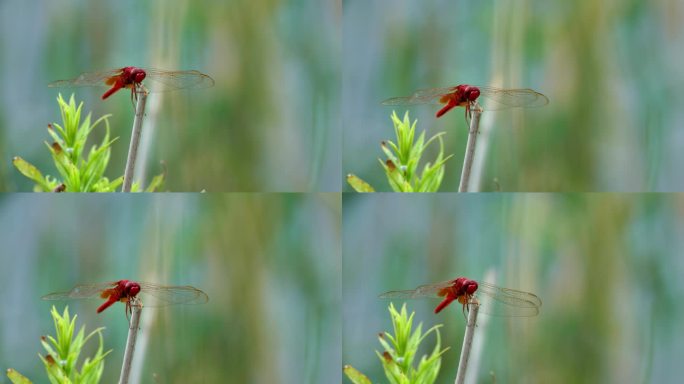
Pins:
<point x="464" y="286"/>
<point x="138" y="75"/>
<point x="134" y="74"/>
<point x="471" y="93"/>
<point x="131" y="288"/>
<point x="471" y="285"/>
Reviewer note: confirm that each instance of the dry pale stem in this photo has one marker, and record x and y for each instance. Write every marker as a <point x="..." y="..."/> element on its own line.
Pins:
<point x="136" y="309"/>
<point x="141" y="100"/>
<point x="475" y="112"/>
<point x="467" y="342"/>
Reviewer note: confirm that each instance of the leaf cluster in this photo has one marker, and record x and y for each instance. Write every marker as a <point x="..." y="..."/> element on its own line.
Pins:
<point x="79" y="170"/>
<point x="400" y="350"/>
<point x="403" y="159"/>
<point x="64" y="351"/>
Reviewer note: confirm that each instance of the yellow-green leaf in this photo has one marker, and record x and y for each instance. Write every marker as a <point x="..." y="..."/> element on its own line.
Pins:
<point x="358" y="184"/>
<point x="27" y="169"/>
<point x="54" y="370"/>
<point x="355" y="376"/>
<point x="16" y="377"/>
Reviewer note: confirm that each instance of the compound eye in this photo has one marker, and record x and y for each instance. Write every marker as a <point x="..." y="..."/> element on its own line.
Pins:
<point x="134" y="289"/>
<point x="472" y="287"/>
<point x="473" y="94"/>
<point x="139" y="76"/>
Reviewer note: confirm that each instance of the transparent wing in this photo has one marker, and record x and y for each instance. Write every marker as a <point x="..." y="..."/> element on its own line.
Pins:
<point x="88" y="79"/>
<point x="154" y="295"/>
<point x="429" y="290"/>
<point x="158" y="80"/>
<point x="499" y="301"/>
<point x="423" y="96"/>
<point x="498" y="98"/>
<point x="83" y="291"/>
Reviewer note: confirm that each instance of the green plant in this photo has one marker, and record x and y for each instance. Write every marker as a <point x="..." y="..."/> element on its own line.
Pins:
<point x="64" y="351"/>
<point x="78" y="171"/>
<point x="403" y="158"/>
<point x="400" y="352"/>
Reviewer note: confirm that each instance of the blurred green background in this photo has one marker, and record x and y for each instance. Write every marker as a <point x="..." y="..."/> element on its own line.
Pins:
<point x="269" y="124"/>
<point x="270" y="265"/>
<point x="607" y="267"/>
<point x="612" y="71"/>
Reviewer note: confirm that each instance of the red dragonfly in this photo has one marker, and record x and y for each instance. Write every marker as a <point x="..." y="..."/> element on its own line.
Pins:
<point x="503" y="301"/>
<point x="125" y="290"/>
<point x="132" y="77"/>
<point x="466" y="96"/>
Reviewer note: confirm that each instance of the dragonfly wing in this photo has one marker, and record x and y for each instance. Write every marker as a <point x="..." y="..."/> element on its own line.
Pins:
<point x="433" y="92"/>
<point x="508" y="302"/>
<point x="432" y="290"/>
<point x="88" y="79"/>
<point x="498" y="98"/>
<point x="400" y="101"/>
<point x="429" y="290"/>
<point x="161" y="81"/>
<point x="398" y="294"/>
<point x="159" y="295"/>
<point x="497" y="308"/>
<point x="83" y="291"/>
<point x="422" y="96"/>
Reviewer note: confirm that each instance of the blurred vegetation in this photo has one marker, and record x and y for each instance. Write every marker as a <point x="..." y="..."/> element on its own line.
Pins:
<point x="605" y="265"/>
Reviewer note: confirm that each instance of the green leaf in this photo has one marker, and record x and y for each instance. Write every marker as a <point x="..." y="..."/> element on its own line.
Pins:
<point x="16" y="377"/>
<point x="402" y="347"/>
<point x="29" y="170"/>
<point x="358" y="184"/>
<point x="403" y="159"/>
<point x="63" y="352"/>
<point x="55" y="373"/>
<point x="355" y="376"/>
<point x="79" y="170"/>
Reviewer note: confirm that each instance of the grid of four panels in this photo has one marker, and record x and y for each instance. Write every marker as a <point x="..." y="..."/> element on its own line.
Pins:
<point x="282" y="135"/>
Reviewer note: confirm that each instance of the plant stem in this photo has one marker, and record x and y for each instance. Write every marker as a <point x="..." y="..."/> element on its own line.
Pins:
<point x="475" y="112"/>
<point x="141" y="93"/>
<point x="136" y="309"/>
<point x="467" y="342"/>
<point x="478" y="344"/>
<point x="150" y="128"/>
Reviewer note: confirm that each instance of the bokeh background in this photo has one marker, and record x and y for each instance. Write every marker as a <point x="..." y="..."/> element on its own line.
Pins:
<point x="607" y="267"/>
<point x="271" y="122"/>
<point x="270" y="265"/>
<point x="611" y="70"/>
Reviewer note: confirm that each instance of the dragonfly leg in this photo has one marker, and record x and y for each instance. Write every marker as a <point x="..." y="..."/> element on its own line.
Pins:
<point x="467" y="114"/>
<point x="129" y="312"/>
